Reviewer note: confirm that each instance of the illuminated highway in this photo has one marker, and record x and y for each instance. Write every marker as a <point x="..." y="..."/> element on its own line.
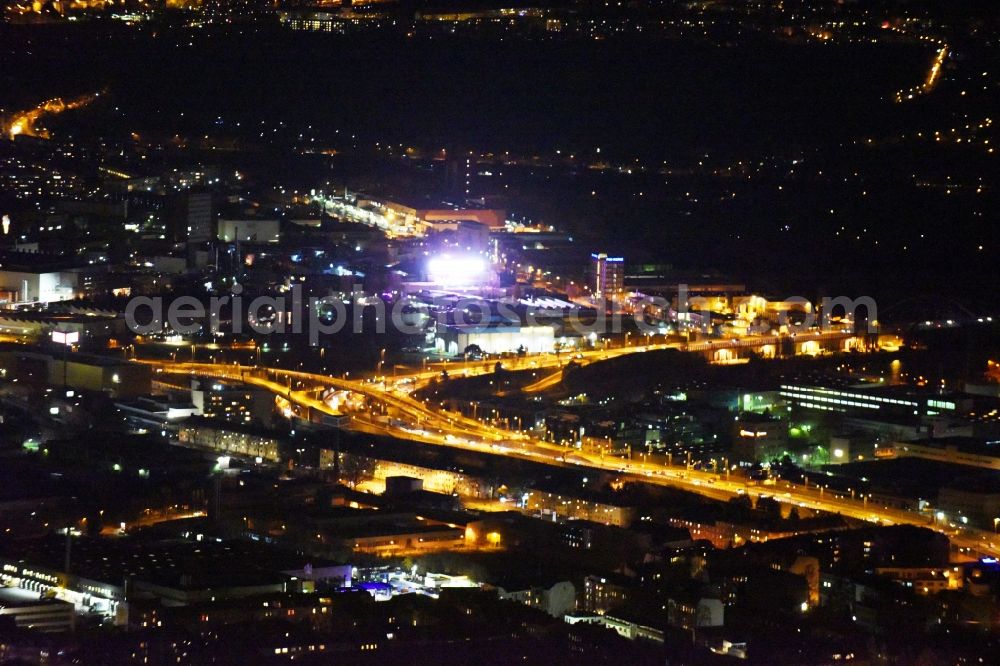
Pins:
<point x="24" y="123"/>
<point x="408" y="418"/>
<point x="415" y="420"/>
<point x="933" y="74"/>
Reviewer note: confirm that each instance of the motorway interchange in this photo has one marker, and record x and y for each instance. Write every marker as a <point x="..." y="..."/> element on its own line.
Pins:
<point x="422" y="422"/>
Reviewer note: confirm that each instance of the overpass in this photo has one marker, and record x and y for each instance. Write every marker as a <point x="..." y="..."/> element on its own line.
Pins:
<point x="724" y="351"/>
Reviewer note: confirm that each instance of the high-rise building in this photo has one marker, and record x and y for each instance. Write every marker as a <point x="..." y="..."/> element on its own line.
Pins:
<point x="459" y="174"/>
<point x="608" y="276"/>
<point x="199" y="217"/>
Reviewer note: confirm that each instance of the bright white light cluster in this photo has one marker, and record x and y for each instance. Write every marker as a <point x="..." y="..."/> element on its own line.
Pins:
<point x="456" y="271"/>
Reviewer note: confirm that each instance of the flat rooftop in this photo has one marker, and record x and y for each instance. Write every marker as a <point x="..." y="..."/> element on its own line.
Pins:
<point x="178" y="563"/>
<point x="15" y="597"/>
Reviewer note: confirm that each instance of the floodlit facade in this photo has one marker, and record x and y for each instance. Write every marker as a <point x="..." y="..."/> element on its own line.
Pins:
<point x="453" y="340"/>
<point x="250" y="231"/>
<point x="35" y="287"/>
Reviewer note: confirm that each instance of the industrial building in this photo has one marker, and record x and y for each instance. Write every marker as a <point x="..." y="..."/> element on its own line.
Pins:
<point x="494" y="339"/>
<point x="74" y="370"/>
